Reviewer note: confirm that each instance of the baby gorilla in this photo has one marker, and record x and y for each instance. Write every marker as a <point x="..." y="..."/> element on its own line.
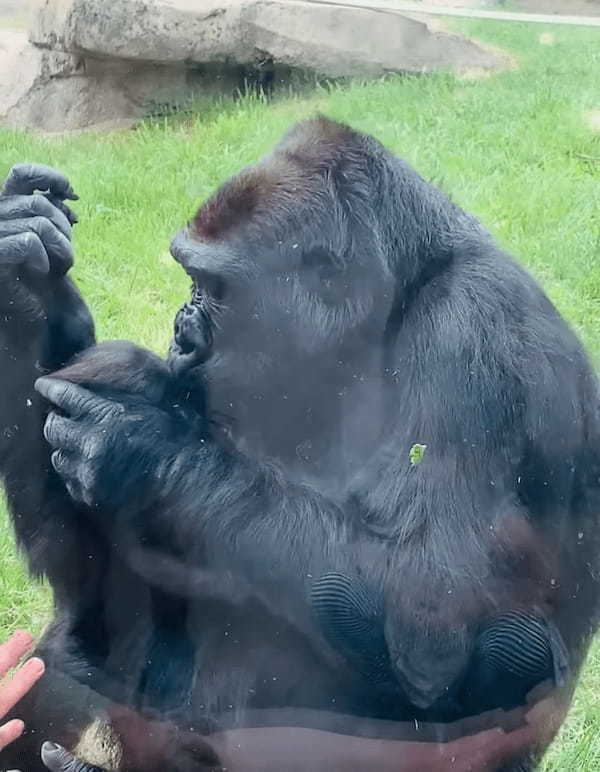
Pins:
<point x="126" y="373"/>
<point x="136" y="379"/>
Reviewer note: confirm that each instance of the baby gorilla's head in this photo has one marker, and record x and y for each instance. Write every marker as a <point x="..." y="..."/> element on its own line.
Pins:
<point x="118" y="366"/>
<point x="125" y="372"/>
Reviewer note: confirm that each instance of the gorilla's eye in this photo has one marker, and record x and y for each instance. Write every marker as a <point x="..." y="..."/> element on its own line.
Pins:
<point x="207" y="288"/>
<point x="322" y="275"/>
<point x="322" y="262"/>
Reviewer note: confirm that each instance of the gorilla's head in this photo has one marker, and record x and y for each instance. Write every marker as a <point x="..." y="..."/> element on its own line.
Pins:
<point x="122" y="371"/>
<point x="297" y="264"/>
<point x="288" y="260"/>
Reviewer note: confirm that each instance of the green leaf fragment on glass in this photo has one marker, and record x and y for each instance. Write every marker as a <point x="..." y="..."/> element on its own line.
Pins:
<point x="417" y="453"/>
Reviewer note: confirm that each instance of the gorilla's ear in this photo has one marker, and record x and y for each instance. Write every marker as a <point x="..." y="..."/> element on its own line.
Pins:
<point x="352" y="619"/>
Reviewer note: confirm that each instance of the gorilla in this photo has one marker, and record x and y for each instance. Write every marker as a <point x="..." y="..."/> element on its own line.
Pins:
<point x="241" y="539"/>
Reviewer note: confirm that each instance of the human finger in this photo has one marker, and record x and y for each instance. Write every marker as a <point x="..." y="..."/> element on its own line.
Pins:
<point x="11" y="652"/>
<point x="11" y="732"/>
<point x="18" y="686"/>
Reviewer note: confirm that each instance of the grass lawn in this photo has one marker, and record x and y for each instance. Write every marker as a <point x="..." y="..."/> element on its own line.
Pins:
<point x="513" y="148"/>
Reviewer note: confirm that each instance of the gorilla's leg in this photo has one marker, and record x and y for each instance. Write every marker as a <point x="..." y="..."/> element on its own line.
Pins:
<point x="512" y="655"/>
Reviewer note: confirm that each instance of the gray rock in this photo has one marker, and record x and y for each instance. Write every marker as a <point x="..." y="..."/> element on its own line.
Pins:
<point x="90" y="62"/>
<point x="331" y="41"/>
<point x="19" y="64"/>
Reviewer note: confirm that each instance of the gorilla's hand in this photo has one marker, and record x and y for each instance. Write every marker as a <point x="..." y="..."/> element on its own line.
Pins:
<point x="35" y="237"/>
<point x="107" y="454"/>
<point x="57" y="759"/>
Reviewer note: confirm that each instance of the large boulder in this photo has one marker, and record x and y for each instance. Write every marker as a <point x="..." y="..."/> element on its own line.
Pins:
<point x="99" y="61"/>
<point x="332" y="41"/>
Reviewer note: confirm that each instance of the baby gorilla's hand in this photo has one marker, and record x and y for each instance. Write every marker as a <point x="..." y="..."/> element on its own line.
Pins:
<point x="108" y="455"/>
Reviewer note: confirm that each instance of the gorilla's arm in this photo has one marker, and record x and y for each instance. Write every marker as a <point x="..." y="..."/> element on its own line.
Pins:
<point x="206" y="502"/>
<point x="43" y="323"/>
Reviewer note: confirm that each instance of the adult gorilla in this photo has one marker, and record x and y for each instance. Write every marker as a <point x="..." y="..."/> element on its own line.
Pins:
<point x="342" y="311"/>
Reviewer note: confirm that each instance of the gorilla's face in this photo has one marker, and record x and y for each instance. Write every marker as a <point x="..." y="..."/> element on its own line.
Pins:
<point x="286" y="298"/>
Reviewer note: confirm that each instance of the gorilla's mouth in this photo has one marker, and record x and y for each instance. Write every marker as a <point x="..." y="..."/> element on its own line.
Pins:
<point x="193" y="339"/>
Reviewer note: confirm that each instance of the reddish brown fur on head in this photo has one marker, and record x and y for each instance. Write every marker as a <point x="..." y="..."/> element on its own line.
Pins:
<point x="233" y="204"/>
<point x="287" y="177"/>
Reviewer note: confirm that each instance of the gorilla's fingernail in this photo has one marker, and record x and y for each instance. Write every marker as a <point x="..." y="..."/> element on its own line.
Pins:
<point x="51" y="747"/>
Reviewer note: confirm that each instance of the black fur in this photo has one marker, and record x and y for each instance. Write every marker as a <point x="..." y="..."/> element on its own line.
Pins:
<point x="344" y="311"/>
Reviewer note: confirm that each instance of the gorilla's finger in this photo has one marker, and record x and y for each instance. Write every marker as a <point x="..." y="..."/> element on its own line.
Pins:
<point x="24" y="249"/>
<point x="77" y="493"/>
<point x="57" y="759"/>
<point x="20" y="207"/>
<point x="58" y="247"/>
<point x="63" y="464"/>
<point x="66" y="210"/>
<point x="62" y="433"/>
<point x="74" y="400"/>
<point x="27" y="178"/>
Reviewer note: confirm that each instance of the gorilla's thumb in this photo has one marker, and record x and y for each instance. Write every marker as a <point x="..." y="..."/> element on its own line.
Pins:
<point x="57" y="759"/>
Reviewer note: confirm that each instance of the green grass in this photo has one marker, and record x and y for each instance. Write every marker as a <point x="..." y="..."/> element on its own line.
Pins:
<point x="510" y="148"/>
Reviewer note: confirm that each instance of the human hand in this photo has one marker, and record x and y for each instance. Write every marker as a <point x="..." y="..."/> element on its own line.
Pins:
<point x="16" y="687"/>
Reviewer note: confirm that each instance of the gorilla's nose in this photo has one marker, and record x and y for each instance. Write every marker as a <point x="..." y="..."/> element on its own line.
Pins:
<point x="193" y="339"/>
